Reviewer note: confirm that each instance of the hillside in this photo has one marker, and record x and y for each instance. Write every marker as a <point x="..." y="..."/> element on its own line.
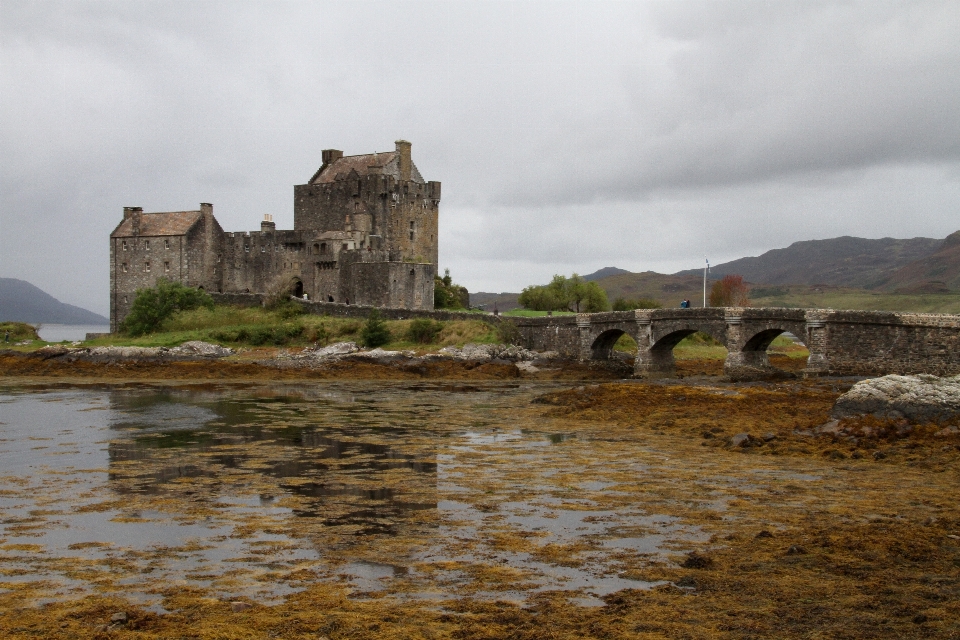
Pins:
<point x="935" y="273"/>
<point x="20" y="301"/>
<point x="839" y="262"/>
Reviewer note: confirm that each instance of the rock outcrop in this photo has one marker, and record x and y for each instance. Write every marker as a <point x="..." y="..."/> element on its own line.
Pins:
<point x="922" y="398"/>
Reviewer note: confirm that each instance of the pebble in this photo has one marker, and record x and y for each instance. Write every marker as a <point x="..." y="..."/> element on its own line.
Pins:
<point x="120" y="617"/>
<point x="796" y="550"/>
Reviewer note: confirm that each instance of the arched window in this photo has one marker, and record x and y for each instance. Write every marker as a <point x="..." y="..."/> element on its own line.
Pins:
<point x="317" y="248"/>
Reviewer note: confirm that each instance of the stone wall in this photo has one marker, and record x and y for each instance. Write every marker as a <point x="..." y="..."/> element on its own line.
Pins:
<point x="866" y="343"/>
<point x="557" y="333"/>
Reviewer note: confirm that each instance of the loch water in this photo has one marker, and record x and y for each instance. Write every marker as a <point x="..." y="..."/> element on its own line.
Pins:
<point x="427" y="490"/>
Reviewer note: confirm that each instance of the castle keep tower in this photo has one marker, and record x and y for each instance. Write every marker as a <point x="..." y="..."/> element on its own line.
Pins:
<point x="364" y="232"/>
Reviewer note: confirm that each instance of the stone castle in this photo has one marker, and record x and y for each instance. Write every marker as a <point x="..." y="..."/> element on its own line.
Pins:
<point x="364" y="232"/>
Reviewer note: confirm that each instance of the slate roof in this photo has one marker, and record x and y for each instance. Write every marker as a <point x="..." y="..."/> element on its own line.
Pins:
<point x="343" y="166"/>
<point x="174" y="223"/>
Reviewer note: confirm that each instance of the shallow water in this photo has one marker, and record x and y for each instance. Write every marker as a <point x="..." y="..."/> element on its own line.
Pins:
<point x="414" y="491"/>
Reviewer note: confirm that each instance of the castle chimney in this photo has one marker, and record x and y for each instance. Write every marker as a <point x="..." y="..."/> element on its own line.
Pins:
<point x="403" y="150"/>
<point x="267" y="224"/>
<point x="330" y="156"/>
<point x="136" y="213"/>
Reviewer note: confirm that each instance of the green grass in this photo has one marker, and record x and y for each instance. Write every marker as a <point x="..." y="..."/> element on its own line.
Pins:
<point x="530" y="313"/>
<point x="808" y="298"/>
<point x="255" y="327"/>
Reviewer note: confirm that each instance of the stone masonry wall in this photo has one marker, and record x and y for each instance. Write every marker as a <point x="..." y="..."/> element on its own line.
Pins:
<point x="866" y="343"/>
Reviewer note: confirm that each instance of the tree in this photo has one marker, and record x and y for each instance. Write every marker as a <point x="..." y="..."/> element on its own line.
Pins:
<point x="729" y="291"/>
<point x="565" y="294"/>
<point x="449" y="295"/>
<point x="374" y="332"/>
<point x="154" y="305"/>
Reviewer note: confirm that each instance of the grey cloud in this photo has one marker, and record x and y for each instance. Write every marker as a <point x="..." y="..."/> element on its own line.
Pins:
<point x="568" y="136"/>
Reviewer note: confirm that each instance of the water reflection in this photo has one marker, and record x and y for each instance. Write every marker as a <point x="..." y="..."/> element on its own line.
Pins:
<point x="301" y="436"/>
<point x="256" y="490"/>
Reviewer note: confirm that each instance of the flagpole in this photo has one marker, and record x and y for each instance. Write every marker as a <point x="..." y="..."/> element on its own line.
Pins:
<point x="705" y="269"/>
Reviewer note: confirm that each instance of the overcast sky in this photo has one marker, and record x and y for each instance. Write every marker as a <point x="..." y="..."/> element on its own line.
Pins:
<point x="567" y="136"/>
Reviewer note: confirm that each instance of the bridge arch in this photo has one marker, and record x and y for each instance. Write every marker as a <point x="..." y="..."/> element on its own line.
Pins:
<point x="602" y="346"/>
<point x="748" y="357"/>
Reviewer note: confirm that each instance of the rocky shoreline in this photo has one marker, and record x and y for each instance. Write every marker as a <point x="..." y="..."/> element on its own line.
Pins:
<point x="197" y="360"/>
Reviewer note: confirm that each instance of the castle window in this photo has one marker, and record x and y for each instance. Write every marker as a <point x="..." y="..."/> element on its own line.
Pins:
<point x="146" y="266"/>
<point x="219" y="257"/>
<point x="263" y="249"/>
<point x="124" y="245"/>
<point x="412" y="272"/>
<point x="411" y="235"/>
<point x="124" y="299"/>
<point x="344" y="247"/>
<point x="124" y="267"/>
<point x="146" y="245"/>
<point x="166" y="266"/>
<point x="246" y="248"/>
<point x="317" y="248"/>
<point x="166" y="244"/>
<point x="323" y="247"/>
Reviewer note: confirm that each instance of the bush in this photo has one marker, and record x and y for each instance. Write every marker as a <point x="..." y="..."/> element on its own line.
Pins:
<point x="152" y="306"/>
<point x="508" y="332"/>
<point x="626" y="304"/>
<point x="424" y="331"/>
<point x="374" y="332"/>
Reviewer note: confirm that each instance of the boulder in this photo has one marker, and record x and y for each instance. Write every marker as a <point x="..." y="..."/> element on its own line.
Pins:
<point x="741" y="440"/>
<point x="200" y="348"/>
<point x="471" y="351"/>
<point x="921" y="398"/>
<point x="330" y="352"/>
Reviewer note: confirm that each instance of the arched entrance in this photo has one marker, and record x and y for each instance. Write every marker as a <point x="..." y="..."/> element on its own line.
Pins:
<point x="298" y="288"/>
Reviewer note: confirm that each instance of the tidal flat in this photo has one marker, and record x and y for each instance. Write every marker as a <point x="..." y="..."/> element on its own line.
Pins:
<point x="468" y="509"/>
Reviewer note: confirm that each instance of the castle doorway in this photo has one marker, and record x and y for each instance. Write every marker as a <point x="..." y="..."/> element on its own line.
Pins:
<point x="298" y="288"/>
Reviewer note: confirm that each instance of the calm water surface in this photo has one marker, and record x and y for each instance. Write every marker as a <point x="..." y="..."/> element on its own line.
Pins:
<point x="398" y="490"/>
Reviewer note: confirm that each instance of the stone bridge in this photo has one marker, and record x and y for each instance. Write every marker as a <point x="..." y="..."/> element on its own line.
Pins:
<point x="840" y="342"/>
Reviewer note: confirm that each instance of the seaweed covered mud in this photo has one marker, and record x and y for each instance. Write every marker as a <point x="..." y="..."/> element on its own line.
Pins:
<point x="470" y="509"/>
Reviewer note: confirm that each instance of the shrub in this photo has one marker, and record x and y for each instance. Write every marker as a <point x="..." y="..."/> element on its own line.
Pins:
<point x="730" y="291"/>
<point x="317" y="334"/>
<point x="508" y="332"/>
<point x="152" y="306"/>
<point x="374" y="332"/>
<point x="626" y="304"/>
<point x="424" y="331"/>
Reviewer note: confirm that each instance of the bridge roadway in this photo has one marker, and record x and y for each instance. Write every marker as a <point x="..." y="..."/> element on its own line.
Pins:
<point x="855" y="343"/>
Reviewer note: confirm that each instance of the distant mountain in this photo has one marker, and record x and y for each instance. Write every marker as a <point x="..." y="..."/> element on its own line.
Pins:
<point x="938" y="272"/>
<point x="20" y="301"/>
<point x="843" y="262"/>
<point x="606" y="272"/>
